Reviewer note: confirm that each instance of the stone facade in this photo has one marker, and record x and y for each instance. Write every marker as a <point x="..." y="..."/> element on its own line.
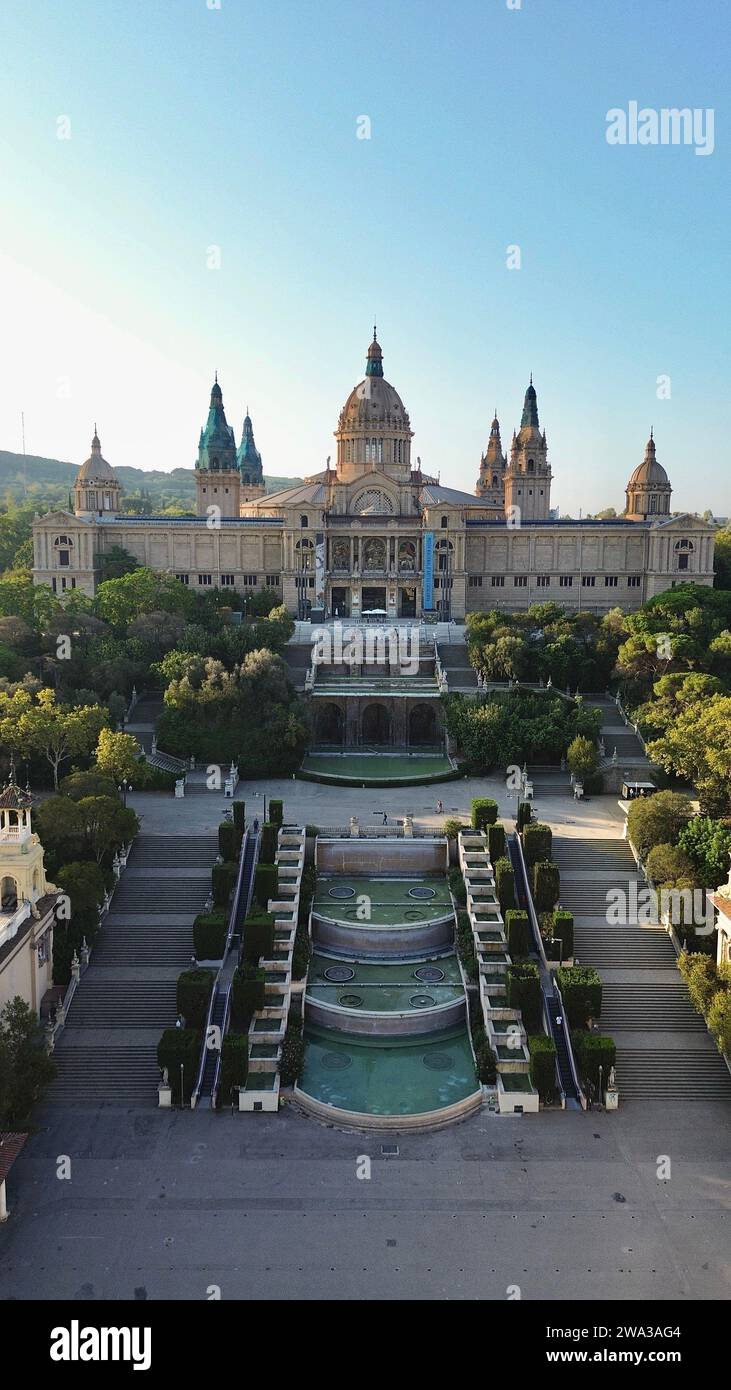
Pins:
<point x="27" y="903"/>
<point x="375" y="533"/>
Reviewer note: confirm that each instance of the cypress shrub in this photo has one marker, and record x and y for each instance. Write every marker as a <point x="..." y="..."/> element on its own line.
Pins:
<point x="484" y="812"/>
<point x="452" y="828"/>
<point x="268" y="846"/>
<point x="537" y="840"/>
<point x="228" y="840"/>
<point x="457" y="885"/>
<point x="581" y="988"/>
<point x="592" y="1051"/>
<point x="545" y="885"/>
<point x="505" y="884"/>
<point x="259" y="935"/>
<point x="292" y="1059"/>
<point x="543" y="1065"/>
<point x="496" y="842"/>
<point x="192" y="996"/>
<point x="466" y="947"/>
<point x="276" y="812"/>
<point x="518" y="932"/>
<point x="486" y="1063"/>
<point x="307" y="890"/>
<point x="234" y="1066"/>
<point x="223" y="878"/>
<point x="302" y="952"/>
<point x="563" y="928"/>
<point x="266" y="883"/>
<point x="239" y="810"/>
<point x="524" y="993"/>
<point x="247" y="995"/>
<point x="209" y="935"/>
<point x="175" y="1046"/>
<point x="524" y="816"/>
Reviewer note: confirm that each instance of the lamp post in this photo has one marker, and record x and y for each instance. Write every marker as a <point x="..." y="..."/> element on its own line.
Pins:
<point x="124" y="789"/>
<point x="182" y="1070"/>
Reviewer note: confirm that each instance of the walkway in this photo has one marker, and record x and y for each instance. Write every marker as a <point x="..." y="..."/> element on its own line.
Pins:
<point x="108" y="1049"/>
<point x="663" y="1048"/>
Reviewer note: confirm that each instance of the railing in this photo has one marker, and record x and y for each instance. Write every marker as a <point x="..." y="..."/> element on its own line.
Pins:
<point x="569" y="1048"/>
<point x="219" y="1059"/>
<point x="195" y="1097"/>
<point x="549" y="1033"/>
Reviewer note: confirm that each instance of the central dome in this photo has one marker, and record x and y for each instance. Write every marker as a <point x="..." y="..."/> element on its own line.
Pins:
<point x="374" y="428"/>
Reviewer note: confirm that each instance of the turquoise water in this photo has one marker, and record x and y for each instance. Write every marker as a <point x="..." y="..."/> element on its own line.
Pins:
<point x="382" y="901"/>
<point x="387" y="1077"/>
<point x="382" y="987"/>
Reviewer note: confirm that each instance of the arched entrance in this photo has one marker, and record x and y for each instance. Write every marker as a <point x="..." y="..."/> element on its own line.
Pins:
<point x="423" y="724"/>
<point x="376" y="725"/>
<point x="330" y="724"/>
<point x="9" y="894"/>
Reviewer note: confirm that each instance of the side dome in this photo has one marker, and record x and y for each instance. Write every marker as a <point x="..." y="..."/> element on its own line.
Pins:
<point x="648" y="490"/>
<point x="95" y="469"/>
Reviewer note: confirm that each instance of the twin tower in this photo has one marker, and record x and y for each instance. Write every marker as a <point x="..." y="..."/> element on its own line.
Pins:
<point x="524" y="481"/>
<point x="226" y="477"/>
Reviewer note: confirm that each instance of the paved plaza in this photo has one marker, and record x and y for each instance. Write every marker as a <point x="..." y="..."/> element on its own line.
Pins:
<point x="565" y="1205"/>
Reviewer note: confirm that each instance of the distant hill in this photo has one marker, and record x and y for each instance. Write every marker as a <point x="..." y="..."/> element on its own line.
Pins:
<point x="49" y="480"/>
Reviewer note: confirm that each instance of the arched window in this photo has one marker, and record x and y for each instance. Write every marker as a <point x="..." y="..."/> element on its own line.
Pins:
<point x="683" y="550"/>
<point x="62" y="546"/>
<point x="531" y="465"/>
<point x="8" y="894"/>
<point x="494" y="479"/>
<point x="445" y="522"/>
<point x="304" y="521"/>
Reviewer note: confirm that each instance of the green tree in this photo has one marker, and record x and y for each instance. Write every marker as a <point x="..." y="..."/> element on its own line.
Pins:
<point x="25" y="1066"/>
<point x="118" y="755"/>
<point x="657" y="820"/>
<point x="708" y="843"/>
<point x="697" y="747"/>
<point x="58" y="732"/>
<point x="120" y="601"/>
<point x="107" y="825"/>
<point x="581" y="757"/>
<point x="115" y="563"/>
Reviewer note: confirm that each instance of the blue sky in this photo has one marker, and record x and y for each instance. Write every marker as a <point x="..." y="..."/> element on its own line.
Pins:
<point x="237" y="128"/>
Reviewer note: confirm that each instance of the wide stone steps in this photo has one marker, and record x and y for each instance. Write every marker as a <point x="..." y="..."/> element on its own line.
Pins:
<point x="162" y="896"/>
<point x="573" y="854"/>
<point x="124" y="1004"/>
<point x="667" y="1074"/>
<point x="613" y="947"/>
<point x="144" y="947"/>
<point x="117" y="1075"/>
<point x="649" y="1006"/>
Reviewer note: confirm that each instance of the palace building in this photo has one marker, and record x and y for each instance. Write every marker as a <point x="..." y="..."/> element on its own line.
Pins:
<point x="376" y="534"/>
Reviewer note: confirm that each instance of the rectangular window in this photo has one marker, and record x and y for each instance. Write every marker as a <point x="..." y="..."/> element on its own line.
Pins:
<point x="543" y="581"/>
<point x="204" y="580"/>
<point x="73" y="583"/>
<point x="227" y="581"/>
<point x="520" y="581"/>
<point x="272" y="581"/>
<point x="249" y="580"/>
<point x="566" y="581"/>
<point x="633" y="581"/>
<point x="588" y="581"/>
<point x="682" y="562"/>
<point x="53" y="582"/>
<point x="475" y="581"/>
<point x="63" y="559"/>
<point x="184" y="578"/>
<point x="497" y="581"/>
<point x="610" y="581"/>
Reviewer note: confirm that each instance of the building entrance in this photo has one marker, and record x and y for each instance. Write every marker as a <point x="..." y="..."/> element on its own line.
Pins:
<point x="373" y="597"/>
<point x="340" y="601"/>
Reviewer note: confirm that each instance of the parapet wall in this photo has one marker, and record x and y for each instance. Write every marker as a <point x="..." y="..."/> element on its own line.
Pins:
<point x="361" y="857"/>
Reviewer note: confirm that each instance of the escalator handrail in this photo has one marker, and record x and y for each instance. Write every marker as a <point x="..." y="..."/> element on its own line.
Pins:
<point x="214" y="992"/>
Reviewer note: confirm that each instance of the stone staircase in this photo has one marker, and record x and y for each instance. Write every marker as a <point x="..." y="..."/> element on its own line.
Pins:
<point x="663" y="1048"/>
<point x="460" y="673"/>
<point x="107" y="1051"/>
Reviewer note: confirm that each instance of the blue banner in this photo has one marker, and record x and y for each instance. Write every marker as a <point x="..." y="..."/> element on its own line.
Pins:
<point x="428" y="577"/>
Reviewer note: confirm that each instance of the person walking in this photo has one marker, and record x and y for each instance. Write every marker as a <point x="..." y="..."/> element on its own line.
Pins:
<point x="385" y="818"/>
<point x="440" y="808"/>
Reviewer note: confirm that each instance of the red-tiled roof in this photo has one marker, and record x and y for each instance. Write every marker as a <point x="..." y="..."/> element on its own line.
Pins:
<point x="10" y="1146"/>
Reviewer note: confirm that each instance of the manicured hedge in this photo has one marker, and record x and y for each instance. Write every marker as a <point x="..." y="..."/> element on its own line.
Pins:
<point x="175" y="1046"/>
<point x="302" y="952"/>
<point x="266" y="883"/>
<point x="592" y="1050"/>
<point x="223" y="878"/>
<point x="545" y="885"/>
<point x="563" y="928"/>
<point x="486" y="1063"/>
<point x="525" y="814"/>
<point x="276" y="811"/>
<point x="524" y="993"/>
<point x="496" y="842"/>
<point x="505" y="884"/>
<point x="239" y="810"/>
<point x="234" y="1066"/>
<point x="581" y="988"/>
<point x="268" y="846"/>
<point x="517" y="930"/>
<point x="229" y="840"/>
<point x="543" y="1065"/>
<point x="259" y="935"/>
<point x="537" y="840"/>
<point x="466" y="947"/>
<point x="209" y="935"/>
<point x="193" y="994"/>
<point x="247" y="995"/>
<point x="484" y="813"/>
